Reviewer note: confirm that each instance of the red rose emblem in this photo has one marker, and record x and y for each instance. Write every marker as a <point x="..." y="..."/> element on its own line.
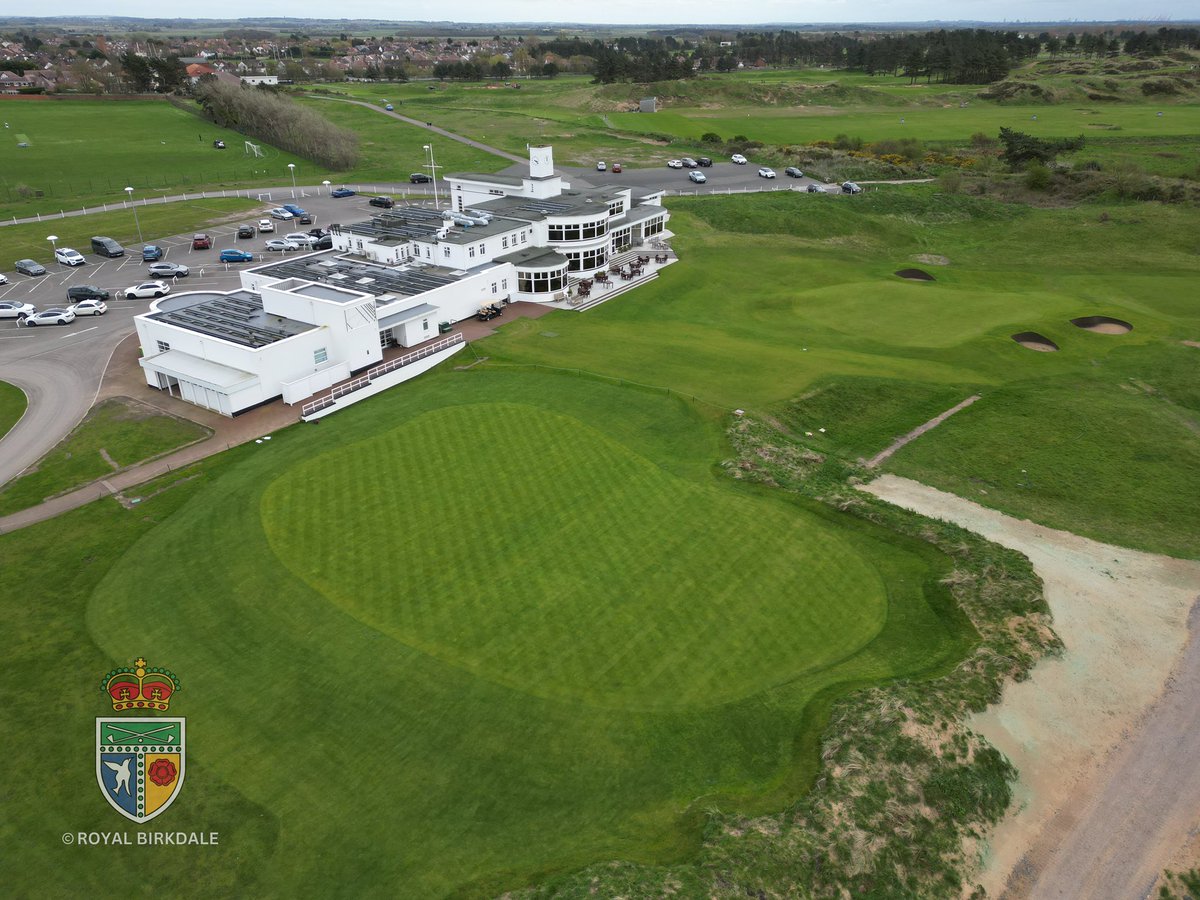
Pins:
<point x="162" y="772"/>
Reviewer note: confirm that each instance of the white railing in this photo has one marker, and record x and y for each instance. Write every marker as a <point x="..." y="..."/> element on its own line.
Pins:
<point x="363" y="380"/>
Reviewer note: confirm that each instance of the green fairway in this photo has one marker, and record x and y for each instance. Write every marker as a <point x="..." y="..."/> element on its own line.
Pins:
<point x="115" y="434"/>
<point x="155" y="221"/>
<point x="513" y="661"/>
<point x="86" y="152"/>
<point x="12" y="406"/>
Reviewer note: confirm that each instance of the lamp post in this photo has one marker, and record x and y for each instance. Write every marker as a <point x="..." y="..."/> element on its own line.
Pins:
<point x="53" y="246"/>
<point x="129" y="191"/>
<point x="327" y="188"/>
<point x="432" y="167"/>
<point x="292" y="169"/>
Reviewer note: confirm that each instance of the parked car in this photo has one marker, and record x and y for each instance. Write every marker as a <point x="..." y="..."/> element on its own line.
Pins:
<point x="420" y="178"/>
<point x="77" y="292"/>
<point x="764" y="172"/>
<point x="849" y="187"/>
<point x="738" y="160"/>
<point x="601" y="166"/>
<point x="388" y="107"/>
<point x="301" y="239"/>
<point x="341" y="192"/>
<point x="106" y="246"/>
<point x="318" y="232"/>
<point x="704" y="162"/>
<point x="55" y="316"/>
<point x="236" y="256"/>
<point x="265" y="225"/>
<point x="218" y="145"/>
<point x="168" y="270"/>
<point x="305" y="219"/>
<point x="382" y="202"/>
<point x="89" y="308"/>
<point x="246" y="231"/>
<point x="689" y="163"/>
<point x="280" y="213"/>
<point x="793" y="172"/>
<point x="148" y="290"/>
<point x="151" y="252"/>
<point x="815" y="189"/>
<point x="616" y="167"/>
<point x="295" y="210"/>
<point x="16" y="309"/>
<point x="201" y="241"/>
<point x="674" y="163"/>
<point x="3" y="279"/>
<point x="277" y="244"/>
<point x="698" y="177"/>
<point x="69" y="257"/>
<point x="325" y="242"/>
<point x="30" y="267"/>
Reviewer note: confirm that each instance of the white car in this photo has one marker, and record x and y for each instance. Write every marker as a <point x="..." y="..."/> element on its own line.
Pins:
<point x="764" y="172"/>
<point x="280" y="213"/>
<point x="281" y="244"/>
<point x="148" y="289"/>
<point x="89" y="308"/>
<point x="301" y="239"/>
<point x="16" y="309"/>
<point x="601" y="167"/>
<point x="69" y="257"/>
<point x="3" y="279"/>
<point x="697" y="177"/>
<point x="265" y="225"/>
<point x="738" y="160"/>
<point x="51" y="317"/>
<point x="674" y="163"/>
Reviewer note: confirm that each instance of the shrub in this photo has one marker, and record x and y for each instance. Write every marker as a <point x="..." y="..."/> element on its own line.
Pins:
<point x="842" y="142"/>
<point x="950" y="182"/>
<point x="983" y="141"/>
<point x="1159" y="86"/>
<point x="1037" y="177"/>
<point x="710" y="137"/>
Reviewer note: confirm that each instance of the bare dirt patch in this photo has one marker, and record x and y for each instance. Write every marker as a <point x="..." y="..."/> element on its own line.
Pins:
<point x="1031" y="340"/>
<point x="1102" y="325"/>
<point x="1190" y="343"/>
<point x="915" y="275"/>
<point x="1106" y="735"/>
<point x="937" y="420"/>
<point x="932" y="259"/>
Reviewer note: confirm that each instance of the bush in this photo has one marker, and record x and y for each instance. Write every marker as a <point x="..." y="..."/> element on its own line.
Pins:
<point x="983" y="141"/>
<point x="710" y="137"/>
<point x="1159" y="87"/>
<point x="950" y="182"/>
<point x="842" y="142"/>
<point x="1037" y="177"/>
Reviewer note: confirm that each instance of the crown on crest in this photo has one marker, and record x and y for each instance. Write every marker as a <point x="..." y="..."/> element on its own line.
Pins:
<point x="139" y="687"/>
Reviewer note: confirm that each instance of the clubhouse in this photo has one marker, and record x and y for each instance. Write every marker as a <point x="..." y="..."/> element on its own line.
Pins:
<point x="298" y="326"/>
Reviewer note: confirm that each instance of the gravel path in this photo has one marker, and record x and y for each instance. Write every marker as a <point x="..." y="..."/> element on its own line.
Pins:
<point x="919" y="430"/>
<point x="1106" y="737"/>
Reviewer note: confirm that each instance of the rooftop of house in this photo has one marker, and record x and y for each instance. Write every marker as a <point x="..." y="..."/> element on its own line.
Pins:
<point x="237" y="317"/>
<point x="386" y="283"/>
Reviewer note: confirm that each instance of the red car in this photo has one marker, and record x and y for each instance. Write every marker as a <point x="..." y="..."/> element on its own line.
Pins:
<point x="616" y="167"/>
<point x="201" y="242"/>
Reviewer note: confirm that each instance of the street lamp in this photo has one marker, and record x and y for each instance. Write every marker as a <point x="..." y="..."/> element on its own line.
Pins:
<point x="53" y="246"/>
<point x="432" y="167"/>
<point x="129" y="191"/>
<point x="326" y="183"/>
<point x="292" y="169"/>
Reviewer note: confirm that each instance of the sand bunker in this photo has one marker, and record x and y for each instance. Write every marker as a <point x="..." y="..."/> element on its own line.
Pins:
<point x="1031" y="340"/>
<point x="932" y="259"/>
<point x="1102" y="325"/>
<point x="915" y="275"/>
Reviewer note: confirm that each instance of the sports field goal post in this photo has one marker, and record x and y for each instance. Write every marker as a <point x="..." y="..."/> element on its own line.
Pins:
<point x="252" y="149"/>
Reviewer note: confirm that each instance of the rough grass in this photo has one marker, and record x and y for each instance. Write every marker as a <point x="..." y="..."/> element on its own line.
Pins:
<point x="12" y="406"/>
<point x="127" y="431"/>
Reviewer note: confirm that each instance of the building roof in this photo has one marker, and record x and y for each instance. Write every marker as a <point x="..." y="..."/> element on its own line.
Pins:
<point x="333" y="268"/>
<point x="535" y="258"/>
<point x="496" y="179"/>
<point x="571" y="203"/>
<point x="406" y="315"/>
<point x="215" y="375"/>
<point x="237" y="317"/>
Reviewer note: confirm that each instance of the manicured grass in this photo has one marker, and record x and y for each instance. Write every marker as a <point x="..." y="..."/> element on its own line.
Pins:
<point x="583" y="729"/>
<point x="156" y="220"/>
<point x="87" y="152"/>
<point x="126" y="431"/>
<point x="12" y="406"/>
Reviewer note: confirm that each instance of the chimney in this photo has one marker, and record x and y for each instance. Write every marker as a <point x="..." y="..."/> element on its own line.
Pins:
<point x="541" y="162"/>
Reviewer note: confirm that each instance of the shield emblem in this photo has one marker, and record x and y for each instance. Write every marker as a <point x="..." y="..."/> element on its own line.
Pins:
<point x="139" y="764"/>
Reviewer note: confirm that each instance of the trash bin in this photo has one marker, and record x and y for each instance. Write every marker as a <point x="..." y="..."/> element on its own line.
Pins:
<point x="444" y="327"/>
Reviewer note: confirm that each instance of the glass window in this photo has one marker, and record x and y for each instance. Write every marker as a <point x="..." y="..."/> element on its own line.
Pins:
<point x="320" y="355"/>
<point x="163" y="346"/>
<point x="446" y="251"/>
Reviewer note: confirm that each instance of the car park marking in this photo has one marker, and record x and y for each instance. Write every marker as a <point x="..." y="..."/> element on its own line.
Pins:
<point x="76" y="333"/>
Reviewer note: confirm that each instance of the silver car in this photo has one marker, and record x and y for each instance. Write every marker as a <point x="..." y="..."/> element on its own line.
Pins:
<point x="168" y="270"/>
<point x="16" y="309"/>
<point x="89" y="308"/>
<point x="50" y="317"/>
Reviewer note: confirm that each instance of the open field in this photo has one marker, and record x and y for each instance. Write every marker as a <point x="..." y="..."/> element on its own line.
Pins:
<point x="516" y="740"/>
<point x="86" y="152"/>
<point x="12" y="406"/>
<point x="156" y="220"/>
<point x="116" y="434"/>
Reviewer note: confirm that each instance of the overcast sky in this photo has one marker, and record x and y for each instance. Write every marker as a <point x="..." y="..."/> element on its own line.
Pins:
<point x="660" y="11"/>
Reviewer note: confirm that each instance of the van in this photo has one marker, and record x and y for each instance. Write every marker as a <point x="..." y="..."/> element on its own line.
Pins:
<point x="106" y="246"/>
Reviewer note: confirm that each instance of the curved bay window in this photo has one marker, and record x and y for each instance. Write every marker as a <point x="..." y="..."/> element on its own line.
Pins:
<point x="541" y="282"/>
<point x="578" y="232"/>
<point x="652" y="227"/>
<point x="588" y="259"/>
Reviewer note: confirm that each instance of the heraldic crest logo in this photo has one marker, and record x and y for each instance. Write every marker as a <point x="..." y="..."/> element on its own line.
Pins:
<point x="140" y="761"/>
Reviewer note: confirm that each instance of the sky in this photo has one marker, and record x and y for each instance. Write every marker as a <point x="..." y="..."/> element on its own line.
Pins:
<point x="731" y="12"/>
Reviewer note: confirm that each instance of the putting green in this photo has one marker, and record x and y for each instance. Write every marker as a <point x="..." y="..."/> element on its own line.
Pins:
<point x="561" y="564"/>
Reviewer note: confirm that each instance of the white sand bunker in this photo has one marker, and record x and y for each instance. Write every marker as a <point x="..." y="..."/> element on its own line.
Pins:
<point x="1102" y="325"/>
<point x="1031" y="340"/>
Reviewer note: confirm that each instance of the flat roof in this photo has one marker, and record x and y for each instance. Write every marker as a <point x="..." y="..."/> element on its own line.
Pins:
<point x="237" y="317"/>
<point x="475" y="176"/>
<point x="333" y="268"/>
<point x="325" y="292"/>
<point x="215" y="375"/>
<point x="568" y="203"/>
<point x="406" y="315"/>
<point x="535" y="258"/>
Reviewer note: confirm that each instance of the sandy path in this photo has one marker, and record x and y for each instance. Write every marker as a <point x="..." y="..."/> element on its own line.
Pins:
<point x="1107" y="736"/>
<point x="919" y="430"/>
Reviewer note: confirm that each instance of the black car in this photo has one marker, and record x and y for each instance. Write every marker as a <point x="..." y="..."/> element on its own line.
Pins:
<point x="246" y="231"/>
<point x="317" y="232"/>
<point x="815" y="189"/>
<point x="325" y="242"/>
<point x="77" y="292"/>
<point x="382" y="202"/>
<point x="793" y="172"/>
<point x="419" y="178"/>
<point x="305" y="219"/>
<point x="704" y="162"/>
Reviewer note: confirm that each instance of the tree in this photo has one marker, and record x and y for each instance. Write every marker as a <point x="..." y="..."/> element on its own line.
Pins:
<point x="1021" y="149"/>
<point x="549" y="70"/>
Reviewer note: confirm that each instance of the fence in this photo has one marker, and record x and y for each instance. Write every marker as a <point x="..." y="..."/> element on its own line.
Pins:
<point x="376" y="371"/>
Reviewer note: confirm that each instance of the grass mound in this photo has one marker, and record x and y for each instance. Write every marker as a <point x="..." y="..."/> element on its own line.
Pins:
<point x="12" y="406"/>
